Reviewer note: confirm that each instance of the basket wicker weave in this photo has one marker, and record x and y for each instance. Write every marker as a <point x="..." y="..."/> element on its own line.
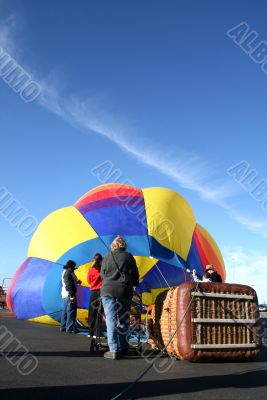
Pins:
<point x="221" y="322"/>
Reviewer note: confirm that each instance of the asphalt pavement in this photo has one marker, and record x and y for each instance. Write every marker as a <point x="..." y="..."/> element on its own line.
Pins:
<point x="65" y="369"/>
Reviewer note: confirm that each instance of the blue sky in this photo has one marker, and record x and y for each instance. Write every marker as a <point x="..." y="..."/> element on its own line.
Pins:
<point x="156" y="87"/>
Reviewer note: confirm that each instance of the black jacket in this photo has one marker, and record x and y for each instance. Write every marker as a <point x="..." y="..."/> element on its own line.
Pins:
<point x="215" y="277"/>
<point x="118" y="280"/>
<point x="70" y="282"/>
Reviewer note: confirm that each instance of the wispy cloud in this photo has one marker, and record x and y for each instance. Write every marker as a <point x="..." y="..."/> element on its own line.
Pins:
<point x="188" y="170"/>
<point x="254" y="225"/>
<point x="247" y="267"/>
<point x="8" y="25"/>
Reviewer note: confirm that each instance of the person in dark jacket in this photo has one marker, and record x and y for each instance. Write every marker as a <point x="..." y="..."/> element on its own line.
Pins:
<point x="68" y="293"/>
<point x="213" y="274"/>
<point x="95" y="281"/>
<point x="120" y="274"/>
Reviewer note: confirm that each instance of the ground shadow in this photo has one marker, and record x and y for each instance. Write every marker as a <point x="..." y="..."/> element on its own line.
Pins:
<point x="147" y="389"/>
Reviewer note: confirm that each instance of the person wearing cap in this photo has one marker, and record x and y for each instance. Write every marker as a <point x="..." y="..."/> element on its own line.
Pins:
<point x="94" y="312"/>
<point x="205" y="277"/>
<point x="68" y="293"/>
<point x="120" y="274"/>
<point x="213" y="274"/>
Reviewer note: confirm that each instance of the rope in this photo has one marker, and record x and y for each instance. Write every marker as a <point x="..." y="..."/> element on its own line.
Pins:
<point x="156" y="265"/>
<point x="129" y="387"/>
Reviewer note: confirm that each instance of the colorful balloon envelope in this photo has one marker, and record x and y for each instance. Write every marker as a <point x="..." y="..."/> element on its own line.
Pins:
<point x="158" y="225"/>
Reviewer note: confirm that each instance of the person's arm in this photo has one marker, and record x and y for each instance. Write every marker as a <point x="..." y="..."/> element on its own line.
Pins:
<point x="89" y="277"/>
<point x="76" y="280"/>
<point x="195" y="277"/>
<point x="103" y="267"/>
<point x="135" y="272"/>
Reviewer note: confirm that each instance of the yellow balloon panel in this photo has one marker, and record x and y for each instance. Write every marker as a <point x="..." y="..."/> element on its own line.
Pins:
<point x="144" y="264"/>
<point x="170" y="219"/>
<point x="82" y="273"/>
<point x="58" y="233"/>
<point x="44" y="319"/>
<point x="149" y="298"/>
<point x="82" y="316"/>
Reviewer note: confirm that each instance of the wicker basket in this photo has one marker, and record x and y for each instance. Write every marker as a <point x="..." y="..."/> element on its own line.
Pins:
<point x="220" y="323"/>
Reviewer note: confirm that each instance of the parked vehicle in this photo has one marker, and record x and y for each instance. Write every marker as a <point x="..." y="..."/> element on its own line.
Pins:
<point x="3" y="292"/>
<point x="2" y="297"/>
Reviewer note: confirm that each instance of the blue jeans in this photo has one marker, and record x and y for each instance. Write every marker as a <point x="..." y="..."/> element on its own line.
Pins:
<point x="117" y="312"/>
<point x="68" y="315"/>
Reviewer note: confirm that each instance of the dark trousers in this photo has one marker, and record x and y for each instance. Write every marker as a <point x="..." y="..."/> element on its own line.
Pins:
<point x="68" y="316"/>
<point x="95" y="313"/>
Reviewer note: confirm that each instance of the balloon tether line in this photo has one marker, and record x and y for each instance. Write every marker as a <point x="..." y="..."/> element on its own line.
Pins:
<point x="129" y="387"/>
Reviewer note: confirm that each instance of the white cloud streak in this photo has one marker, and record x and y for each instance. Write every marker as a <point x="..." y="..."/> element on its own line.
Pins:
<point x="78" y="113"/>
<point x="248" y="268"/>
<point x="190" y="172"/>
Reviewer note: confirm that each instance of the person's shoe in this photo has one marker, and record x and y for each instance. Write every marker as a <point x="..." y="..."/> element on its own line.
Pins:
<point x="113" y="355"/>
<point x="91" y="342"/>
<point x="62" y="330"/>
<point x="73" y="331"/>
<point x="128" y="351"/>
<point x="124" y="352"/>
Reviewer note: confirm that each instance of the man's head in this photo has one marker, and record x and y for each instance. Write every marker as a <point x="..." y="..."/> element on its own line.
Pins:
<point x="98" y="258"/>
<point x="118" y="243"/>
<point x="70" y="265"/>
<point x="210" y="268"/>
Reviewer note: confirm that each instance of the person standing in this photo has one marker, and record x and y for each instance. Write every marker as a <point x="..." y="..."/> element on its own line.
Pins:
<point x="213" y="274"/>
<point x="95" y="309"/>
<point x="120" y="274"/>
<point x="205" y="277"/>
<point x="69" y="296"/>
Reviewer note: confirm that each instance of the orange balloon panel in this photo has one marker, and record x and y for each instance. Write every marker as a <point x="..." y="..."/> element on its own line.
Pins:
<point x="208" y="251"/>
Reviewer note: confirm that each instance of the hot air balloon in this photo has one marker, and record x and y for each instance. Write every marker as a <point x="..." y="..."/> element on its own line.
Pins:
<point x="158" y="225"/>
